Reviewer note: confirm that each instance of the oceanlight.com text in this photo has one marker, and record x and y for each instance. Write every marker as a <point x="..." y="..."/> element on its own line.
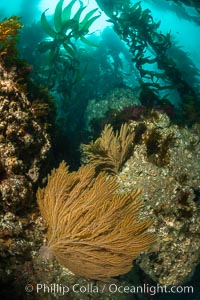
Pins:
<point x="112" y="288"/>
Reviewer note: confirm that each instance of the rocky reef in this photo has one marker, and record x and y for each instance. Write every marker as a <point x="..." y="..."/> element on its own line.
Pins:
<point x="165" y="165"/>
<point x="115" y="101"/>
<point x="25" y="146"/>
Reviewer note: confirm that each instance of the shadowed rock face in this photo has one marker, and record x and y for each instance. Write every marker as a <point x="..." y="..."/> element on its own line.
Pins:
<point x="25" y="145"/>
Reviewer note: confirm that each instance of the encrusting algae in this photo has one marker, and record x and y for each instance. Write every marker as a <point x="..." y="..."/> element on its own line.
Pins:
<point x="92" y="229"/>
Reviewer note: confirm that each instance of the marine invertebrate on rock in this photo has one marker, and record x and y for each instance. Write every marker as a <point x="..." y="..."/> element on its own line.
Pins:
<point x="92" y="229"/>
<point x="164" y="164"/>
<point x="25" y="142"/>
<point x="97" y="113"/>
<point x="25" y="147"/>
<point x="127" y="114"/>
<point x="111" y="150"/>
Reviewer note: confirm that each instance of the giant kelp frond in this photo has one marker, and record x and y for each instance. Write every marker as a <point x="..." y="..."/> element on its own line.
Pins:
<point x="67" y="26"/>
<point x="142" y="34"/>
<point x="9" y="29"/>
<point x="92" y="230"/>
<point x="111" y="150"/>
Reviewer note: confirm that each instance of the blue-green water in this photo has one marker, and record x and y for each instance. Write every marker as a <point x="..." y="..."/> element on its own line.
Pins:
<point x="151" y="50"/>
